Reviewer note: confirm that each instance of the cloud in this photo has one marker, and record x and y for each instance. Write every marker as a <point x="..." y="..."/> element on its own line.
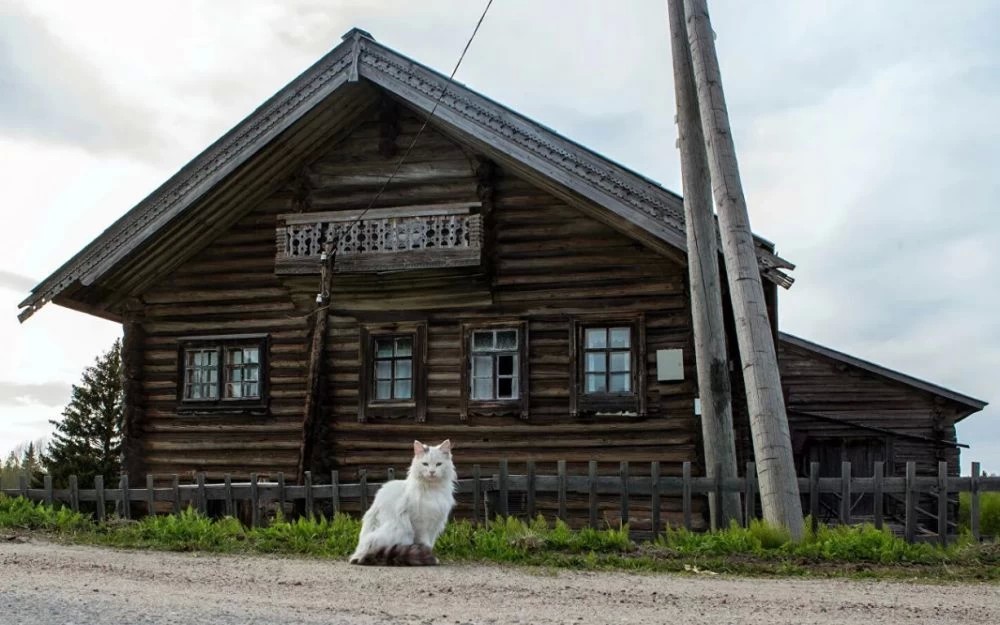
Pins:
<point x="54" y="95"/>
<point x="16" y="282"/>
<point x="54" y="394"/>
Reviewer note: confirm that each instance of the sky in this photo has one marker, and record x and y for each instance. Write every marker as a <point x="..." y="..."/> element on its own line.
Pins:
<point x="864" y="134"/>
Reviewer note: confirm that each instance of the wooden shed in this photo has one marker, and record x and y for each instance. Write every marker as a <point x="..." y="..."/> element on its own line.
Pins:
<point x="509" y="289"/>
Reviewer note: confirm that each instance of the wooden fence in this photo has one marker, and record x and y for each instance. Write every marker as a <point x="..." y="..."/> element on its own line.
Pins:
<point x="490" y="495"/>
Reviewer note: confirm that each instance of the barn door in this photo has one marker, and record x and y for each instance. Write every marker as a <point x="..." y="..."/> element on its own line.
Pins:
<point x="862" y="453"/>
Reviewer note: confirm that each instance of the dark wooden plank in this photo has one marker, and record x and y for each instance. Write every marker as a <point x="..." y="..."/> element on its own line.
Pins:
<point x="845" y="493"/>
<point x="363" y="486"/>
<point x="47" y="485"/>
<point x="911" y="501"/>
<point x="877" y="495"/>
<point x="202" y="496"/>
<point x="175" y="484"/>
<point x="814" y="494"/>
<point x="504" y="509"/>
<point x="592" y="491"/>
<point x="74" y="493"/>
<point x="254" y="501"/>
<point x="230" y="502"/>
<point x="150" y="496"/>
<point x="530" y="495"/>
<point x="476" y="485"/>
<point x="654" y="496"/>
<point x="99" y="496"/>
<point x="561" y="474"/>
<point x="686" y="494"/>
<point x="750" y="494"/>
<point x="307" y="478"/>
<point x="974" y="500"/>
<point x="623" y="475"/>
<point x="335" y="491"/>
<point x="942" y="508"/>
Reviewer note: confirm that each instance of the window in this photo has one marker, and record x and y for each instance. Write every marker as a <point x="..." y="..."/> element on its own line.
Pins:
<point x="495" y="374"/>
<point x="393" y="358"/>
<point x="609" y="367"/>
<point x="222" y="371"/>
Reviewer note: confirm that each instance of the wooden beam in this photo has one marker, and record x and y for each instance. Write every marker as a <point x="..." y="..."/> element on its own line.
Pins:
<point x="132" y="393"/>
<point x="711" y="359"/>
<point x="779" y="490"/>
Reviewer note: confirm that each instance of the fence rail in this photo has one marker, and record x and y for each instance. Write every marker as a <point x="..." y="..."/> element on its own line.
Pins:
<point x="490" y="495"/>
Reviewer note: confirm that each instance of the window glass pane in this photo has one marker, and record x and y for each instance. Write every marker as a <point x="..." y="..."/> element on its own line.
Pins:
<point x="482" y="341"/>
<point x="213" y="376"/>
<point x="402" y="390"/>
<point x="404" y="346"/>
<point x="251" y="373"/>
<point x="236" y="375"/>
<point x="597" y="338"/>
<point x="213" y="358"/>
<point x="505" y="388"/>
<point x="383" y="369"/>
<point x="383" y="390"/>
<point x="621" y="337"/>
<point x="620" y="382"/>
<point x="404" y="369"/>
<point x="620" y="362"/>
<point x="505" y="365"/>
<point x="193" y="392"/>
<point x="596" y="362"/>
<point x="212" y="390"/>
<point x="251" y="354"/>
<point x="482" y="367"/>
<point x="596" y="383"/>
<point x="507" y="340"/>
<point x="482" y="388"/>
<point x="234" y="390"/>
<point x="251" y="389"/>
<point x="235" y="356"/>
<point x="383" y="348"/>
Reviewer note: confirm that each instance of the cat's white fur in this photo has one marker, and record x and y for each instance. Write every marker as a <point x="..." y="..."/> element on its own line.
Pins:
<point x="414" y="510"/>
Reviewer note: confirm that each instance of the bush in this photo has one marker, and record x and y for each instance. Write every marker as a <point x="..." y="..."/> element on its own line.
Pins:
<point x="20" y="513"/>
<point x="989" y="513"/>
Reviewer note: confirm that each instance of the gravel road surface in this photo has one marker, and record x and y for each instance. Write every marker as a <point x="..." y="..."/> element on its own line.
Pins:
<point x="49" y="584"/>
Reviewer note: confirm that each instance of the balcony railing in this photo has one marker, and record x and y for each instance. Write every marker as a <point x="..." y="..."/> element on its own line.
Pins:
<point x="385" y="239"/>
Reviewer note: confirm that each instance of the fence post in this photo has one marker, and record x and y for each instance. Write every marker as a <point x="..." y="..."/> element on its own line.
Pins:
<point x="530" y="496"/>
<point x="942" y="526"/>
<point x="877" y="488"/>
<point x="974" y="501"/>
<point x="335" y="491"/>
<point x="227" y="481"/>
<point x="22" y="484"/>
<point x="502" y="506"/>
<point x="911" y="501"/>
<point x="202" y="496"/>
<point x="47" y="484"/>
<point x="476" y="489"/>
<point x="74" y="493"/>
<point x="845" y="493"/>
<point x="626" y="517"/>
<point x="561" y="471"/>
<point x="150" y="496"/>
<point x="686" y="494"/>
<point x="175" y="485"/>
<point x="814" y="494"/>
<point x="99" y="496"/>
<point x="592" y="495"/>
<point x="281" y="492"/>
<point x="750" y="498"/>
<point x="254" y="502"/>
<point x="308" y="476"/>
<point x="363" y="484"/>
<point x="654" y="496"/>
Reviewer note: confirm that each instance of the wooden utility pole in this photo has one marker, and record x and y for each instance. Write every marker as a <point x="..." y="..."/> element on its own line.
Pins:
<point x="779" y="490"/>
<point x="703" y="273"/>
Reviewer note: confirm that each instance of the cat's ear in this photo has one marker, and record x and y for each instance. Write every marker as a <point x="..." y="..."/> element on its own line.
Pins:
<point x="419" y="448"/>
<point x="445" y="446"/>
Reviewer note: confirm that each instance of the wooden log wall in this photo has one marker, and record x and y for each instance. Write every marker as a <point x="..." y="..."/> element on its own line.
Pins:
<point x="548" y="264"/>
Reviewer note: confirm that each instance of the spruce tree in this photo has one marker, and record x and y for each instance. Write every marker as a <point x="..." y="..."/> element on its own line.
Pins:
<point x="87" y="441"/>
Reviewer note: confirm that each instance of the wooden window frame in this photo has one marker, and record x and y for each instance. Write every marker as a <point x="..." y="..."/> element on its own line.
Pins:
<point x="631" y="404"/>
<point x="371" y="408"/>
<point x="220" y="343"/>
<point x="519" y="405"/>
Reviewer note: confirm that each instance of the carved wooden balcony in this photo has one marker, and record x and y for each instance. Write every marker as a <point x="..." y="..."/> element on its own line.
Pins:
<point x="384" y="239"/>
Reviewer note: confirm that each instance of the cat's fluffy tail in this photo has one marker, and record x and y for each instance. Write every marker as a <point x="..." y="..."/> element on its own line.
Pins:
<point x="398" y="555"/>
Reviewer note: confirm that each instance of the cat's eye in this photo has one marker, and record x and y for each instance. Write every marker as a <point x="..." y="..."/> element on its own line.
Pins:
<point x="424" y="463"/>
<point x="438" y="464"/>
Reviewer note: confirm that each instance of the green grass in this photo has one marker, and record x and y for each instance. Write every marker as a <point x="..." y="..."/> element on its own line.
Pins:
<point x="758" y="550"/>
<point x="989" y="513"/>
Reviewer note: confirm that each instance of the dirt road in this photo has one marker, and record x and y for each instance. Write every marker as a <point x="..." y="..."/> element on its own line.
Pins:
<point x="48" y="584"/>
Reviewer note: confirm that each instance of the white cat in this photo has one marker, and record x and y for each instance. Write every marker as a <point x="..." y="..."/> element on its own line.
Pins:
<point x="407" y="516"/>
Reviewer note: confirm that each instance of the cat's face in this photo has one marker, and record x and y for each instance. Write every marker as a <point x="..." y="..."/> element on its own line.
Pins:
<point x="433" y="464"/>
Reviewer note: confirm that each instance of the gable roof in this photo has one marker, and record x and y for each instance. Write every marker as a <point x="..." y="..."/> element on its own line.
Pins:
<point x="971" y="403"/>
<point x="629" y="201"/>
